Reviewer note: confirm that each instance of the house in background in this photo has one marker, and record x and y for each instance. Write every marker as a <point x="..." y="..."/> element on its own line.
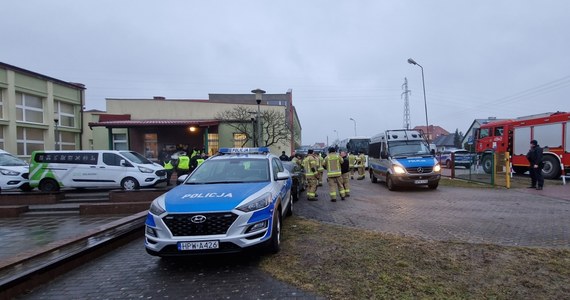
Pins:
<point x="434" y="131"/>
<point x="445" y="142"/>
<point x="38" y="112"/>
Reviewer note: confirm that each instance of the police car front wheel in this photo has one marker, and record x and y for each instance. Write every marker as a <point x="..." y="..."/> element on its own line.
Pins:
<point x="274" y="244"/>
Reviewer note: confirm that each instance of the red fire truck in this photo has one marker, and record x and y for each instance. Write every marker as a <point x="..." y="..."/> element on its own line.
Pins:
<point x="551" y="130"/>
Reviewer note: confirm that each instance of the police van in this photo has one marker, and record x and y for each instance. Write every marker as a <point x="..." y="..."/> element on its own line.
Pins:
<point x="52" y="170"/>
<point x="402" y="158"/>
<point x="13" y="172"/>
<point x="232" y="201"/>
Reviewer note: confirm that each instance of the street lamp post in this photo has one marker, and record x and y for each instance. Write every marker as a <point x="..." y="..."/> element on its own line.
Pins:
<point x="258" y="94"/>
<point x="353" y="120"/>
<point x="413" y="62"/>
<point x="56" y="121"/>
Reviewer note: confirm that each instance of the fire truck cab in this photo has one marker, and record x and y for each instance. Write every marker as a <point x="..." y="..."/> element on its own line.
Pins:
<point x="551" y="130"/>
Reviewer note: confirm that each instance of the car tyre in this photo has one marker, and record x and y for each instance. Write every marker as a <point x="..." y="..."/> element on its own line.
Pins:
<point x="26" y="187"/>
<point x="433" y="186"/>
<point x="48" y="185"/>
<point x="372" y="177"/>
<point x="390" y="183"/>
<point x="129" y="184"/>
<point x="487" y="163"/>
<point x="274" y="243"/>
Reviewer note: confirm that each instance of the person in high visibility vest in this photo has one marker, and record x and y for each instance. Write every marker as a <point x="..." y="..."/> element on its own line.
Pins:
<point x="310" y="165"/>
<point x="332" y="164"/>
<point x="202" y="158"/>
<point x="361" y="165"/>
<point x="351" y="163"/>
<point x="183" y="165"/>
<point x="169" y="167"/>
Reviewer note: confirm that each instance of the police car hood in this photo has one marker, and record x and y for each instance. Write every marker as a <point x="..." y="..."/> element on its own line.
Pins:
<point x="210" y="197"/>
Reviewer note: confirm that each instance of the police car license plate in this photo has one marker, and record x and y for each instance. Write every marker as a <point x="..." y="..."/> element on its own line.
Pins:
<point x="184" y="246"/>
<point x="423" y="181"/>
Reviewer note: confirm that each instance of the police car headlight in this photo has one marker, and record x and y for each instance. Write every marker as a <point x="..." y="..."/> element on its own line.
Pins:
<point x="9" y="172"/>
<point x="437" y="168"/>
<point x="257" y="204"/>
<point x="145" y="170"/>
<point x="399" y="170"/>
<point x="156" y="209"/>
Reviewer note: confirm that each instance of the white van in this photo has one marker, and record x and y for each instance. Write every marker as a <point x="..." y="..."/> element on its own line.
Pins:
<point x="13" y="172"/>
<point x="52" y="170"/>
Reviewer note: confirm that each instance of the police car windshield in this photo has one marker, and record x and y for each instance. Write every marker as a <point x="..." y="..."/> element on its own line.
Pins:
<point x="135" y="157"/>
<point x="231" y="170"/>
<point x="408" y="148"/>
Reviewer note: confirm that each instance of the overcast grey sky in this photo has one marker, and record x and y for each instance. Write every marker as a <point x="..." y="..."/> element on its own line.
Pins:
<point x="342" y="59"/>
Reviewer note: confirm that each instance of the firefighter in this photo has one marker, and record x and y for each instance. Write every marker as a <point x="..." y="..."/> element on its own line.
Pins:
<point x="345" y="169"/>
<point x="361" y="164"/>
<point x="311" y="167"/>
<point x="351" y="164"/>
<point x="320" y="170"/>
<point x="332" y="164"/>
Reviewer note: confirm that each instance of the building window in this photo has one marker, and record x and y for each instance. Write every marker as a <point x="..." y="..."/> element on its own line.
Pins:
<point x="29" y="140"/>
<point x="29" y="108"/>
<point x="150" y="145"/>
<point x="67" y="140"/>
<point x="2" y="137"/>
<point x="239" y="140"/>
<point x="65" y="113"/>
<point x="213" y="143"/>
<point x="2" y="105"/>
<point x="120" y="141"/>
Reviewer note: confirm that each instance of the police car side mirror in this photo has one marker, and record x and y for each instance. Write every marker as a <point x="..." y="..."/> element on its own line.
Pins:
<point x="283" y="175"/>
<point x="432" y="151"/>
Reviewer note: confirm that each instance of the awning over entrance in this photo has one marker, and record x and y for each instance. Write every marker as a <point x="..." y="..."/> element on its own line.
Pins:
<point x="147" y="123"/>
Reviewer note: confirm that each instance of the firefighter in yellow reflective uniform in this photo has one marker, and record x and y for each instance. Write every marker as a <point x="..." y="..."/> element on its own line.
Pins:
<point x="351" y="164"/>
<point x="333" y="164"/>
<point x="344" y="168"/>
<point x="310" y="165"/>
<point x="320" y="169"/>
<point x="361" y="165"/>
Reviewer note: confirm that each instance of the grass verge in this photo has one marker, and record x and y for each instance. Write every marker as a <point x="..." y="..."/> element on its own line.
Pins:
<point x="347" y="263"/>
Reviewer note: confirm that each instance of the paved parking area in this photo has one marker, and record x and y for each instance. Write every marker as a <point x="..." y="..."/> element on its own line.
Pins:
<point x="520" y="217"/>
<point x="481" y="215"/>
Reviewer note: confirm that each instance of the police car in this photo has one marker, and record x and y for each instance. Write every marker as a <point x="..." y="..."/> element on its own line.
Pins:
<point x="234" y="200"/>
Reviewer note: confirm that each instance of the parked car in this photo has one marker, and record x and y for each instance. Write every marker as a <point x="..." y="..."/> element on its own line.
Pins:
<point x="14" y="172"/>
<point x="233" y="201"/>
<point x="298" y="177"/>
<point x="462" y="158"/>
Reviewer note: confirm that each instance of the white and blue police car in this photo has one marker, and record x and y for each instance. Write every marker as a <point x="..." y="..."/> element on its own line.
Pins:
<point x="234" y="200"/>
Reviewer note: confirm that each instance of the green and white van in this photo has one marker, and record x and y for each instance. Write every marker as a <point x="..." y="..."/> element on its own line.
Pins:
<point x="52" y="170"/>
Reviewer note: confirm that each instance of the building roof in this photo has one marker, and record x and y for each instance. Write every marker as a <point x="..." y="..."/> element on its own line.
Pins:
<point x="42" y="77"/>
<point x="445" y="140"/>
<point x="434" y="130"/>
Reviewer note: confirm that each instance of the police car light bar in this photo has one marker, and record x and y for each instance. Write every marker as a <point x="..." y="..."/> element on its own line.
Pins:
<point x="244" y="150"/>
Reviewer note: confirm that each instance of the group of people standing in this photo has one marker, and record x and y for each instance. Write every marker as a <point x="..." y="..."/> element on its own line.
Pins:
<point x="180" y="162"/>
<point x="338" y="167"/>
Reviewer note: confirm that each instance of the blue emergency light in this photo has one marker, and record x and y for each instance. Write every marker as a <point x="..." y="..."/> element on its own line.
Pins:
<point x="259" y="150"/>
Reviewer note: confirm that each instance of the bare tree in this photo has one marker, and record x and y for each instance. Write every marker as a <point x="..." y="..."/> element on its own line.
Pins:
<point x="274" y="127"/>
<point x="239" y="118"/>
<point x="273" y="124"/>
